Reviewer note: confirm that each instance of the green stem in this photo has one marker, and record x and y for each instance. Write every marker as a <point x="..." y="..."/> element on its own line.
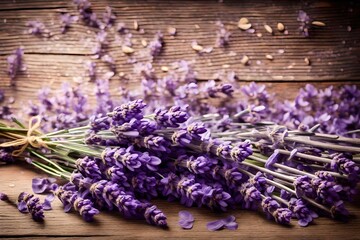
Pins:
<point x="46" y="160"/>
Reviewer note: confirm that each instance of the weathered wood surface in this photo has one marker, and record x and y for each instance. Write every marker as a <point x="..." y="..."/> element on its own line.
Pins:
<point x="252" y="225"/>
<point x="334" y="52"/>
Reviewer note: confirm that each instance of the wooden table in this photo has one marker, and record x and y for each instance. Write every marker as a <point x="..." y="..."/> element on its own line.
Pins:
<point x="334" y="52"/>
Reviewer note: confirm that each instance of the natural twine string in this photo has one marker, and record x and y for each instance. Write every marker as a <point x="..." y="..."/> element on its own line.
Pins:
<point x="30" y="138"/>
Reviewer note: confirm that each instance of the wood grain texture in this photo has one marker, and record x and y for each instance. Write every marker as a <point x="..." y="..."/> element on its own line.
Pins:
<point x="252" y="225"/>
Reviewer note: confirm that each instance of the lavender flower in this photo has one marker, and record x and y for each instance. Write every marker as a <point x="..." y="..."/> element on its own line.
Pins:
<point x="88" y="166"/>
<point x="71" y="199"/>
<point x="15" y="63"/>
<point x="126" y="112"/>
<point x="305" y="23"/>
<point x="343" y="163"/>
<point x="144" y="184"/>
<point x="172" y="117"/>
<point x="186" y="220"/>
<point x="156" y="143"/>
<point x="303" y="186"/>
<point x="269" y="205"/>
<point x="66" y="20"/>
<point x="251" y="195"/>
<point x="30" y="203"/>
<point x="156" y="45"/>
<point x="155" y="216"/>
<point x="41" y="185"/>
<point x="222" y="35"/>
<point x="282" y="215"/>
<point x="301" y="212"/>
<point x="5" y="156"/>
<point x="216" y="198"/>
<point x="181" y="138"/>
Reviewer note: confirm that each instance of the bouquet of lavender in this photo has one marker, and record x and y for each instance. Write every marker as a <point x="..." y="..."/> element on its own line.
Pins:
<point x="122" y="160"/>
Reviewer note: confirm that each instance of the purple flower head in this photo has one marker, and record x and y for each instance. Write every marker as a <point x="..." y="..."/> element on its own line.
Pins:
<point x="88" y="166"/>
<point x="228" y="223"/>
<point x="5" y="155"/>
<point x="301" y="212"/>
<point x="233" y="177"/>
<point x="305" y="23"/>
<point x="116" y="174"/>
<point x="156" y="45"/>
<point x="338" y="210"/>
<point x="282" y="215"/>
<point x="189" y="191"/>
<point x="66" y="20"/>
<point x="186" y="219"/>
<point x="128" y="111"/>
<point x="144" y="184"/>
<point x="156" y="143"/>
<point x="169" y="184"/>
<point x="303" y="186"/>
<point x="127" y="157"/>
<point x="269" y="205"/>
<point x="241" y="151"/>
<point x="222" y="35"/>
<point x="147" y="127"/>
<point x="251" y="195"/>
<point x="71" y="199"/>
<point x="30" y="203"/>
<point x="85" y="208"/>
<point x="126" y="130"/>
<point x="15" y="63"/>
<point x="181" y="138"/>
<point x="172" y="117"/>
<point x="41" y="185"/>
<point x="216" y="198"/>
<point x="258" y="181"/>
<point x="223" y="149"/>
<point x="199" y="165"/>
<point x="98" y="123"/>
<point x="155" y="216"/>
<point x="327" y="191"/>
<point x="196" y="129"/>
<point x="343" y="163"/>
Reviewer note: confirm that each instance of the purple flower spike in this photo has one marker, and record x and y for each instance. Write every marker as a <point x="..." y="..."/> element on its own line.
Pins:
<point x="301" y="212"/>
<point x="30" y="203"/>
<point x="15" y="63"/>
<point x="172" y="117"/>
<point x="282" y="215"/>
<point x="155" y="216"/>
<point x="229" y="223"/>
<point x="186" y="220"/>
<point x="41" y="185"/>
<point x="155" y="46"/>
<point x="181" y="138"/>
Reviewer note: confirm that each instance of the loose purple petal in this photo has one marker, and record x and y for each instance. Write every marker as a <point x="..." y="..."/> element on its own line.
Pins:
<point x="215" y="225"/>
<point x="186" y="224"/>
<point x="231" y="226"/>
<point x="185" y="215"/>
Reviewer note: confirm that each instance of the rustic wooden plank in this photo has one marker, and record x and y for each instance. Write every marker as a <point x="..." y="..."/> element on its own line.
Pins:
<point x="17" y="178"/>
<point x="333" y="50"/>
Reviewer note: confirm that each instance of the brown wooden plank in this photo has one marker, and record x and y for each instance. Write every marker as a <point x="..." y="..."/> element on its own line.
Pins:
<point x="333" y="50"/>
<point x="252" y="225"/>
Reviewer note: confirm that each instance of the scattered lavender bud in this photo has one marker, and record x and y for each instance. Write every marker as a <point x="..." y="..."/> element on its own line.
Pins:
<point x="66" y="20"/>
<point x="15" y="63"/>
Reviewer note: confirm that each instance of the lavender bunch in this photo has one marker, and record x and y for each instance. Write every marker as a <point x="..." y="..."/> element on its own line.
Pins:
<point x="131" y="155"/>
